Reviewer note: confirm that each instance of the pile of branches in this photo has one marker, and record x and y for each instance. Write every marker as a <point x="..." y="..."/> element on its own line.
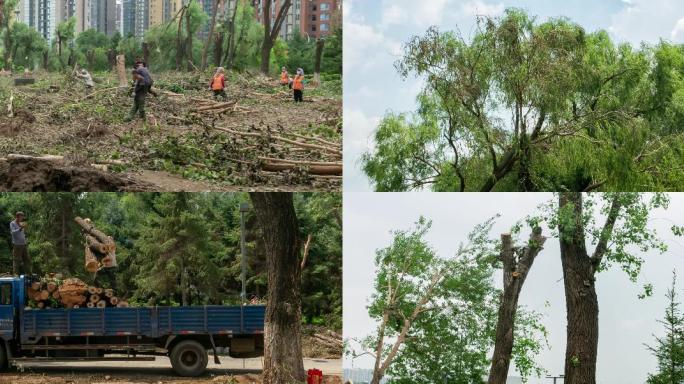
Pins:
<point x="285" y="150"/>
<point x="52" y="291"/>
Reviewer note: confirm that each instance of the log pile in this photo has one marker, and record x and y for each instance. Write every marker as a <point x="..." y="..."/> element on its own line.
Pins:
<point x="100" y="249"/>
<point x="54" y="292"/>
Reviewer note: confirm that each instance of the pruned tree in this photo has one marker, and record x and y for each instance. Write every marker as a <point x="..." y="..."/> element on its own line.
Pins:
<point x="669" y="349"/>
<point x="422" y="301"/>
<point x="271" y="32"/>
<point x="320" y="44"/>
<point x="517" y="262"/>
<point x="283" y="362"/>
<point x="65" y="32"/>
<point x="625" y="218"/>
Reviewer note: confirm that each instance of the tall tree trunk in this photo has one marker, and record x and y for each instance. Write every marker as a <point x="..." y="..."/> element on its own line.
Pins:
<point x="210" y="38"/>
<point x="283" y="362"/>
<point x="146" y="53"/>
<point x="515" y="271"/>
<point x="218" y="48"/>
<point x="524" y="176"/>
<point x="320" y="44"/>
<point x="271" y="33"/>
<point x="180" y="50"/>
<point x="580" y="294"/>
<point x="188" y="41"/>
<point x="232" y="46"/>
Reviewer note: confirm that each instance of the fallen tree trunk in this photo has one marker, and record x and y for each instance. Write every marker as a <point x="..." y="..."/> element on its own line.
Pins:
<point x="95" y="245"/>
<point x="314" y="169"/>
<point x="49" y="158"/>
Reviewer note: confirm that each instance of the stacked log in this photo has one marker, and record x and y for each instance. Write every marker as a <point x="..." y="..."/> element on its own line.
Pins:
<point x="70" y="293"/>
<point x="100" y="249"/>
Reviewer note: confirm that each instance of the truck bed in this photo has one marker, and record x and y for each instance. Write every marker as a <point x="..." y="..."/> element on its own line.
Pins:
<point x="142" y="321"/>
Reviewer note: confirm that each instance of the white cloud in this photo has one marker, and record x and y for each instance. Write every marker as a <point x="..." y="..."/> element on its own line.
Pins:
<point x="480" y="8"/>
<point x="678" y="31"/>
<point x="358" y="129"/>
<point x="393" y="14"/>
<point x="649" y="21"/>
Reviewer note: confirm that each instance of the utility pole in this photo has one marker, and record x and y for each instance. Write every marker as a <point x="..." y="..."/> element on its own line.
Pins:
<point x="244" y="208"/>
<point x="554" y="378"/>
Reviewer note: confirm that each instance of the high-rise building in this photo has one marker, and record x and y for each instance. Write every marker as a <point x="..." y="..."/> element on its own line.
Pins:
<point x="103" y="16"/>
<point x="41" y="15"/>
<point x="312" y="18"/>
<point x="80" y="9"/>
<point x="136" y="16"/>
<point x="319" y="18"/>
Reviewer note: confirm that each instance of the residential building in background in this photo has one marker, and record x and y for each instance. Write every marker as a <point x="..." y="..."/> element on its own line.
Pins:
<point x="39" y="14"/>
<point x="103" y="16"/>
<point x="312" y="18"/>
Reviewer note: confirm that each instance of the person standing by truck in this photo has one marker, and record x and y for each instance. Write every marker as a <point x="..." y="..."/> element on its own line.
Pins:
<point x="21" y="264"/>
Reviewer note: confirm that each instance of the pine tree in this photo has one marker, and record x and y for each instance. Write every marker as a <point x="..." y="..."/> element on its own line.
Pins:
<point x="669" y="349"/>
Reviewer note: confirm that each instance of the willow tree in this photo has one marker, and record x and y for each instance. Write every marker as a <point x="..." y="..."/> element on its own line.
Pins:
<point x="530" y="106"/>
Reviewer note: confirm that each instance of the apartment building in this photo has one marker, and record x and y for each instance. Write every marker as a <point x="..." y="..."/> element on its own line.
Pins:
<point x="312" y="18"/>
<point x="39" y="14"/>
<point x="103" y="16"/>
<point x="136" y="17"/>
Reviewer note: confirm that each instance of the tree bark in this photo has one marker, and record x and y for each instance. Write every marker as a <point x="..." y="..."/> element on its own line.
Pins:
<point x="121" y="70"/>
<point x="320" y="44"/>
<point x="188" y="40"/>
<point x="580" y="295"/>
<point x="146" y="53"/>
<point x="271" y="34"/>
<point x="283" y="362"/>
<point x="210" y="38"/>
<point x="515" y="271"/>
<point x="232" y="46"/>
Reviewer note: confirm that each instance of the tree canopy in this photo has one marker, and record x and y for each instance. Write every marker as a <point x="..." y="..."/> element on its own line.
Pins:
<point x="180" y="248"/>
<point x="534" y="106"/>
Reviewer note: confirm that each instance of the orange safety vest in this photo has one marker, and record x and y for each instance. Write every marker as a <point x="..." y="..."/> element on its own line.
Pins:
<point x="217" y="84"/>
<point x="298" y="83"/>
<point x="284" y="78"/>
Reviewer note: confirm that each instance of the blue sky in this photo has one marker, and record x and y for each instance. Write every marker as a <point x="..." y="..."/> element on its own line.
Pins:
<point x="376" y="29"/>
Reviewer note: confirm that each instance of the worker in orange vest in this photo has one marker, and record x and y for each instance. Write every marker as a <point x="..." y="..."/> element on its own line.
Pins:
<point x="298" y="86"/>
<point x="218" y="83"/>
<point x="284" y="77"/>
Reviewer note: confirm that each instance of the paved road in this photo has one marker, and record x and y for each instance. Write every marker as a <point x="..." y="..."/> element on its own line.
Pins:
<point x="162" y="366"/>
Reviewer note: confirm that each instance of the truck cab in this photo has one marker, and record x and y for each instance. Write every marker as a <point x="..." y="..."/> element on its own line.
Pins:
<point x="134" y="333"/>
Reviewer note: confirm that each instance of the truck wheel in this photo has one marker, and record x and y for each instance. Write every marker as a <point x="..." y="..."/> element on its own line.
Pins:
<point x="3" y="358"/>
<point x="189" y="358"/>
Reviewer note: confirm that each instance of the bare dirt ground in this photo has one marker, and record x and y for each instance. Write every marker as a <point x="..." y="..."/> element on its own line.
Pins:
<point x="230" y="371"/>
<point x="258" y="139"/>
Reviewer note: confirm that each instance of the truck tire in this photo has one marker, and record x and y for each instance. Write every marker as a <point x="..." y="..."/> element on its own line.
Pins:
<point x="3" y="358"/>
<point x="189" y="358"/>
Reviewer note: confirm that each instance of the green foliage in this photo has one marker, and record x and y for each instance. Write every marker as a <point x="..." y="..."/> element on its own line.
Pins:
<point x="27" y="45"/>
<point x="92" y="44"/>
<point x="669" y="349"/>
<point x="166" y="241"/>
<point x="455" y="328"/>
<point x="585" y="113"/>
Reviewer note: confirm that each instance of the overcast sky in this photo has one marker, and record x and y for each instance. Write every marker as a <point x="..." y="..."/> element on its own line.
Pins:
<point x="626" y="322"/>
<point x="375" y="31"/>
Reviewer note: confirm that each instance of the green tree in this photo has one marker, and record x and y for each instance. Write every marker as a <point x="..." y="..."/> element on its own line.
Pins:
<point x="617" y="224"/>
<point x="92" y="45"/>
<point x="177" y="244"/>
<point x="28" y="45"/>
<point x="669" y="349"/>
<point x="583" y="114"/>
<point x="65" y="33"/>
<point x="437" y="317"/>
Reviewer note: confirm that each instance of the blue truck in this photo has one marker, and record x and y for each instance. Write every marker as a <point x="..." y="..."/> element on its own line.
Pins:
<point x="184" y="334"/>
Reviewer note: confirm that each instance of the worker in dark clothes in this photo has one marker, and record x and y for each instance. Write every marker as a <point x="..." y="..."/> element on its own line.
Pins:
<point x="141" y="67"/>
<point x="21" y="264"/>
<point x="139" y="95"/>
